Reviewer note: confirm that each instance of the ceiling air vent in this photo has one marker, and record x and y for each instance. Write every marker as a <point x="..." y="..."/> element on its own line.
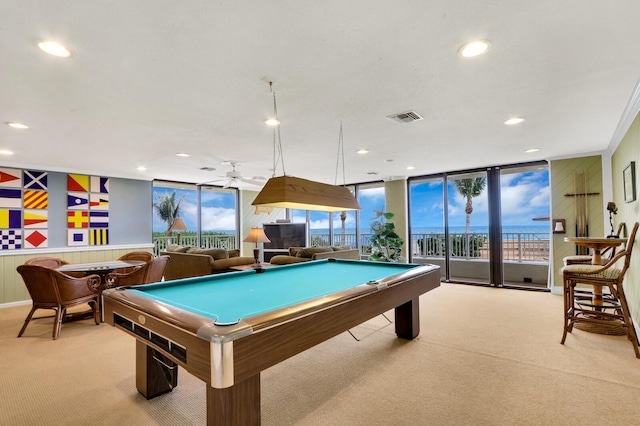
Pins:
<point x="405" y="117"/>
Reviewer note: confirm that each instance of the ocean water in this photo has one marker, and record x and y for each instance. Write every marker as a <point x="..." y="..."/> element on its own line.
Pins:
<point x="545" y="228"/>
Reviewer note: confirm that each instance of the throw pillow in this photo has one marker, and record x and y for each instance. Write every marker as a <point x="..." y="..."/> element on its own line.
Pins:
<point x="176" y="248"/>
<point x="293" y="251"/>
<point x="215" y="253"/>
<point x="310" y="251"/>
<point x="234" y="253"/>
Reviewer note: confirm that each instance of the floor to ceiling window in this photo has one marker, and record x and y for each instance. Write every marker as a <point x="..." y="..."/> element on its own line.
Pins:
<point x="525" y="210"/>
<point x="486" y="226"/>
<point x="371" y="197"/>
<point x="328" y="229"/>
<point x="209" y="215"/>
<point x="467" y="218"/>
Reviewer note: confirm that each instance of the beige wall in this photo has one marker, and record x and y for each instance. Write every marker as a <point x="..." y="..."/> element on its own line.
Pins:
<point x="249" y="219"/>
<point x="561" y="177"/>
<point x="12" y="289"/>
<point x="628" y="150"/>
<point x="395" y="194"/>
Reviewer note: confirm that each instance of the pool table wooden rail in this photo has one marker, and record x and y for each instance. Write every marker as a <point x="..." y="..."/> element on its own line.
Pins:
<point x="273" y="337"/>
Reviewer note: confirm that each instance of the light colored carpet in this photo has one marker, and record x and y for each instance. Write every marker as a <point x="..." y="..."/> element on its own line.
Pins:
<point x="484" y="357"/>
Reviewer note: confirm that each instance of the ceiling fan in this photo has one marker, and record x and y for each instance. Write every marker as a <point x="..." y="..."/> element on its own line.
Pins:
<point x="235" y="179"/>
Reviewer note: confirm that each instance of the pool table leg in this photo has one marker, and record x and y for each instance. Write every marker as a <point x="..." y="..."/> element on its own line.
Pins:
<point x="235" y="405"/>
<point x="155" y="373"/>
<point x="408" y="319"/>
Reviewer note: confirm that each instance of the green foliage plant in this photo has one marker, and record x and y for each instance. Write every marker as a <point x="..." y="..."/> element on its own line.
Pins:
<point x="386" y="245"/>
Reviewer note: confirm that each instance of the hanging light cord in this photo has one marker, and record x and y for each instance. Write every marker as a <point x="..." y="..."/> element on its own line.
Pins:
<point x="278" y="156"/>
<point x="340" y="156"/>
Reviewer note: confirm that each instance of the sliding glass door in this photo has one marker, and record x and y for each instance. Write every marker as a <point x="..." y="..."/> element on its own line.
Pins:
<point x="467" y="226"/>
<point x="524" y="197"/>
<point x="487" y="226"/>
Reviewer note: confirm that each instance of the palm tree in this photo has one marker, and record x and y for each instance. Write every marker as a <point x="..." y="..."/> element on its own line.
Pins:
<point x="167" y="209"/>
<point x="343" y="229"/>
<point x="470" y="188"/>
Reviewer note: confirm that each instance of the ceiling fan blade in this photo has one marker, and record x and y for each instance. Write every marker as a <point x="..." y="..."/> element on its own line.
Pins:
<point x="253" y="182"/>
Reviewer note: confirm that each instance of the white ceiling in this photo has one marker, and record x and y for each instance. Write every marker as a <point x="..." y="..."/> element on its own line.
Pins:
<point x="150" y="78"/>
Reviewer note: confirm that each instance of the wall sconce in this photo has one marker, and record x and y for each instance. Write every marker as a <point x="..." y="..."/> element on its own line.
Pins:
<point x="559" y="226"/>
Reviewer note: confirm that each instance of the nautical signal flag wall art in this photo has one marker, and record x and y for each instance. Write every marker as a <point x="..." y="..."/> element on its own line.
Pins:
<point x="87" y="208"/>
<point x="24" y="209"/>
<point x="24" y="200"/>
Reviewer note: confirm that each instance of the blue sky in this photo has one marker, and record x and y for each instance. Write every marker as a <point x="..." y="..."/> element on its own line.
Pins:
<point x="218" y="209"/>
<point x="524" y="196"/>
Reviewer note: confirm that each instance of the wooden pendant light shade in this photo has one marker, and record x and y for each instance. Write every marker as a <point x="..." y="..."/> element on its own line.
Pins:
<point x="296" y="193"/>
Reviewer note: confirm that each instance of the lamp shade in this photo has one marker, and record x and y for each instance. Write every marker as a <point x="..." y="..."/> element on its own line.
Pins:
<point x="296" y="193"/>
<point x="178" y="225"/>
<point x="256" y="235"/>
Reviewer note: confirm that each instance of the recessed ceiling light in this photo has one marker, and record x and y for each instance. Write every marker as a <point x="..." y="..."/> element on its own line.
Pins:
<point x="410" y="167"/>
<point x="474" y="48"/>
<point x="182" y="154"/>
<point x="54" y="48"/>
<point x="272" y="121"/>
<point x="5" y="152"/>
<point x="530" y="150"/>
<point x="362" y="151"/>
<point x="141" y="168"/>
<point x="514" y="120"/>
<point x="16" y="125"/>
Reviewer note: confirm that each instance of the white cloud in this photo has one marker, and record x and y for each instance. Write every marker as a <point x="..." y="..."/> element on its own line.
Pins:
<point x="218" y="218"/>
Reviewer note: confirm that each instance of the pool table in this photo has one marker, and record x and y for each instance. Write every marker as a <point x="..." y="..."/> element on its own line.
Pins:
<point x="226" y="328"/>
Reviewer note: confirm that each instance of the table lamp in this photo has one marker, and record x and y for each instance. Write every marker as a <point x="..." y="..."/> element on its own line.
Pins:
<point x="256" y="235"/>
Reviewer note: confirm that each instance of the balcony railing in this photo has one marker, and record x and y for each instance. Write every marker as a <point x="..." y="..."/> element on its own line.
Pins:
<point x="226" y="242"/>
<point x="516" y="246"/>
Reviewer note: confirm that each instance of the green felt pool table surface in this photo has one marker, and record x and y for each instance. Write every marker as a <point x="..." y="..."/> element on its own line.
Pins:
<point x="229" y="298"/>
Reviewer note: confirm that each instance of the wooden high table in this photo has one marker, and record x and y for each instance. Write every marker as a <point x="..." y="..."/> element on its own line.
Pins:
<point x="597" y="245"/>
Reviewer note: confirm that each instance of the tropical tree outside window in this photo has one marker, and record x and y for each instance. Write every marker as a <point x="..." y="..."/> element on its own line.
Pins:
<point x="211" y="221"/>
<point x="167" y="208"/>
<point x="470" y="188"/>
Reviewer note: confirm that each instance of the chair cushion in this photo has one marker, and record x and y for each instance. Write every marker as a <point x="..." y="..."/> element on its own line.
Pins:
<point x="587" y="271"/>
<point x="234" y="253"/>
<point x="176" y="248"/>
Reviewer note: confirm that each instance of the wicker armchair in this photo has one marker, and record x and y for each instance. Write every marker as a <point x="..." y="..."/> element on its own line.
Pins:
<point x="50" y="289"/>
<point x="151" y="272"/>
<point x="610" y="312"/>
<point x="47" y="262"/>
<point x="144" y="256"/>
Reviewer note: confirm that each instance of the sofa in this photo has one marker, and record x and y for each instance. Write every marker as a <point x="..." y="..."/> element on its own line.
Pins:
<point x="186" y="262"/>
<point x="305" y="254"/>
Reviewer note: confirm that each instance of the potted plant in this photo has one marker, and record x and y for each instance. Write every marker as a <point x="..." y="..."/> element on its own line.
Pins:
<point x="385" y="243"/>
